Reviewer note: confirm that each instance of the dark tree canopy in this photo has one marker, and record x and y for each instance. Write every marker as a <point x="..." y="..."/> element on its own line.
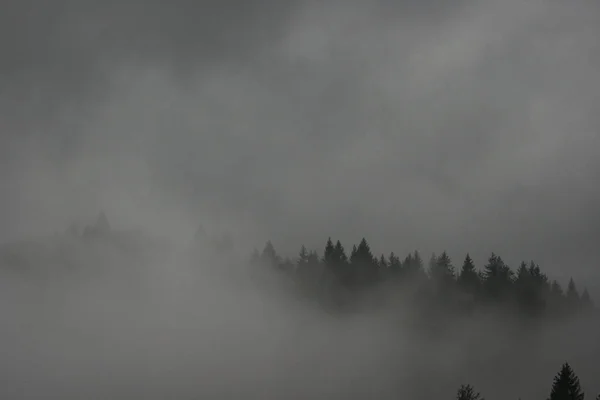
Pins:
<point x="566" y="385"/>
<point x="526" y="289"/>
<point x="467" y="392"/>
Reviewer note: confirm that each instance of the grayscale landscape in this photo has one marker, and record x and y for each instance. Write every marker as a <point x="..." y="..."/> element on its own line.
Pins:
<point x="299" y="200"/>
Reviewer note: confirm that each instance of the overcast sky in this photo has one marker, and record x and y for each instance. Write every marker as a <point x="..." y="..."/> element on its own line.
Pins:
<point x="437" y="125"/>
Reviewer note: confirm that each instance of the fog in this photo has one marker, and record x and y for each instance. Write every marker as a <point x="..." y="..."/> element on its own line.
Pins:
<point x="461" y="126"/>
<point x="179" y="329"/>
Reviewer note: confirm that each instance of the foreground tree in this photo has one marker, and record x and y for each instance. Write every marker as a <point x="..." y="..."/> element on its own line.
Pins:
<point x="467" y="392"/>
<point x="566" y="385"/>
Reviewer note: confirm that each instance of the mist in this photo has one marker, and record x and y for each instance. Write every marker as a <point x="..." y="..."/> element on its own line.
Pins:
<point x="190" y="327"/>
<point x="440" y="126"/>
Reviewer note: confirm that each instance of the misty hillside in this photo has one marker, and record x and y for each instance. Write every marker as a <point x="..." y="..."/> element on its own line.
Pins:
<point x="469" y="322"/>
<point x="297" y="199"/>
<point x="98" y="244"/>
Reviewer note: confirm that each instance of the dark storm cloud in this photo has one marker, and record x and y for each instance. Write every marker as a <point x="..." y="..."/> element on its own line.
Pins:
<point x="459" y="125"/>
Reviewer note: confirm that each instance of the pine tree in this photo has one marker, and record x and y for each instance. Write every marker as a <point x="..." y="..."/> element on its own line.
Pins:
<point x="269" y="255"/>
<point x="383" y="267"/>
<point x="339" y="254"/>
<point x="340" y="263"/>
<point x="468" y="279"/>
<point x="302" y="266"/>
<point x="443" y="270"/>
<point x="566" y="385"/>
<point x="394" y="264"/>
<point x="467" y="392"/>
<point x="418" y="262"/>
<point x="523" y="275"/>
<point x="364" y="264"/>
<point x="302" y="256"/>
<point x="529" y="283"/>
<point x="313" y="257"/>
<point x="383" y="263"/>
<point x="498" y="277"/>
<point x="413" y="265"/>
<point x="328" y="256"/>
<point x="572" y="294"/>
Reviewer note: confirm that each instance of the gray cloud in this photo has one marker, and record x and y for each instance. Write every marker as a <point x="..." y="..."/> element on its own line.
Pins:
<point x="437" y="125"/>
<point x="466" y="127"/>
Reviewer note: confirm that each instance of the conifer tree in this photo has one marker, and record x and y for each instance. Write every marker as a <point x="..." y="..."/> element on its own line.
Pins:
<point x="364" y="264"/>
<point x="383" y="268"/>
<point x="395" y="265"/>
<point x="302" y="270"/>
<point x="522" y="278"/>
<point x="302" y="256"/>
<point x="383" y="263"/>
<point x="328" y="256"/>
<point x="418" y="261"/>
<point x="269" y="255"/>
<point x="498" y="277"/>
<point x="335" y="259"/>
<point x="413" y="265"/>
<point x="529" y="284"/>
<point x="339" y="255"/>
<point x="572" y="294"/>
<point x="313" y="257"/>
<point x="443" y="270"/>
<point x="468" y="279"/>
<point x="467" y="392"/>
<point x="566" y="385"/>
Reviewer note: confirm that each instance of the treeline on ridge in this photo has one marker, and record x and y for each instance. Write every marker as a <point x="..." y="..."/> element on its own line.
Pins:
<point x="565" y="386"/>
<point x="340" y="280"/>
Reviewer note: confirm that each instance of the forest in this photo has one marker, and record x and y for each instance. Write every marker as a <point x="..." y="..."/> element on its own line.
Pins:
<point x="432" y="299"/>
<point x="438" y="289"/>
<point x="343" y="282"/>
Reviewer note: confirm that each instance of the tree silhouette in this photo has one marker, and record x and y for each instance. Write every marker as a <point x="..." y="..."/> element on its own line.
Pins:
<point x="467" y="392"/>
<point x="468" y="279"/>
<point x="498" y="277"/>
<point x="269" y="255"/>
<point x="441" y="269"/>
<point x="364" y="264"/>
<point x="302" y="256"/>
<point x="394" y="264"/>
<point x="530" y="284"/>
<point x="328" y="256"/>
<point x="528" y="291"/>
<point x="573" y="298"/>
<point x="566" y="385"/>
